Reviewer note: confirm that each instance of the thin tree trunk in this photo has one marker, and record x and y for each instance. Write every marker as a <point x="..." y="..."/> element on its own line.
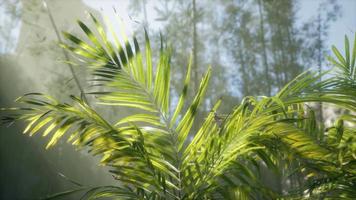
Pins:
<point x="144" y="8"/>
<point x="320" y="63"/>
<point x="77" y="82"/>
<point x="276" y="63"/>
<point x="284" y="59"/>
<point x="292" y="53"/>
<point x="245" y="87"/>
<point x="264" y="52"/>
<point x="195" y="49"/>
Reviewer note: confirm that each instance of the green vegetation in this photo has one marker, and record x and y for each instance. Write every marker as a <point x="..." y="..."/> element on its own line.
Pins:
<point x="154" y="153"/>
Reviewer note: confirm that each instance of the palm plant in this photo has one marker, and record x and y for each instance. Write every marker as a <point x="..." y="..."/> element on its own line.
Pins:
<point x="155" y="154"/>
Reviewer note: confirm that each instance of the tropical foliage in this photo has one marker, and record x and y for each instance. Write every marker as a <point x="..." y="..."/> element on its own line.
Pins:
<point x="154" y="153"/>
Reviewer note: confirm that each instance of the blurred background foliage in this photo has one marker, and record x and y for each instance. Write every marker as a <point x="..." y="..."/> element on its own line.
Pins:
<point x="254" y="47"/>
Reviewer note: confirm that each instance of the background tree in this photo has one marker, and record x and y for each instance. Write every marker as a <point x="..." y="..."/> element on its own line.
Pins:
<point x="257" y="40"/>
